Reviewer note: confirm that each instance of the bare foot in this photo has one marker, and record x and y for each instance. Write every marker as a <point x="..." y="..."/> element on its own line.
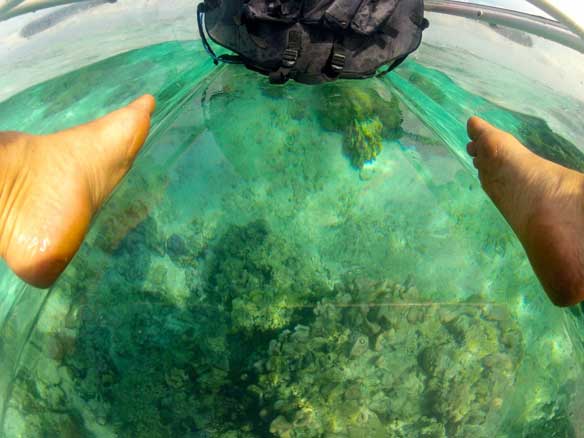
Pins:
<point x="542" y="201"/>
<point x="52" y="185"/>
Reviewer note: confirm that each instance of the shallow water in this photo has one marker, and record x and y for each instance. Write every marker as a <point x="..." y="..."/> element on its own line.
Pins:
<point x="252" y="277"/>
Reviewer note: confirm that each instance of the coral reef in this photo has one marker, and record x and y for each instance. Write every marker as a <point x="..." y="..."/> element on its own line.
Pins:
<point x="152" y="368"/>
<point x="362" y="114"/>
<point x="338" y="104"/>
<point x="377" y="362"/>
<point x="541" y="139"/>
<point x="363" y="143"/>
<point x="157" y="371"/>
<point x="260" y="278"/>
<point x="144" y="364"/>
<point x="371" y="359"/>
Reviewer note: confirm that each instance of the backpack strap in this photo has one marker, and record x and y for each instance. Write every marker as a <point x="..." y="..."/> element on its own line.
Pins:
<point x="289" y="58"/>
<point x="336" y="62"/>
<point x="393" y="65"/>
<point x="227" y="59"/>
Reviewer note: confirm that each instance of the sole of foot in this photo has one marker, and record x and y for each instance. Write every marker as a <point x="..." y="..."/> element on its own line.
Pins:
<point x="52" y="186"/>
<point x="542" y="201"/>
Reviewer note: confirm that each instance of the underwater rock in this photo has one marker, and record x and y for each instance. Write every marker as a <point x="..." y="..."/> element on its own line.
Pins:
<point x="419" y="375"/>
<point x="59" y="345"/>
<point x="48" y="373"/>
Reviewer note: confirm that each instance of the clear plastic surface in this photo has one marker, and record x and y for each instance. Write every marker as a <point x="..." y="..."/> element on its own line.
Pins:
<point x="299" y="261"/>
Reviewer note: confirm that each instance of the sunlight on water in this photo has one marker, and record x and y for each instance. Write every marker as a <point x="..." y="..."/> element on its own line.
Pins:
<point x="293" y="262"/>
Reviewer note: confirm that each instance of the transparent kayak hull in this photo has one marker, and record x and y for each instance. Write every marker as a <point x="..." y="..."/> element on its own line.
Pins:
<point x="293" y="261"/>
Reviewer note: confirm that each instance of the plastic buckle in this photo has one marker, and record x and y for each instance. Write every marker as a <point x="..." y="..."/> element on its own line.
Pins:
<point x="338" y="62"/>
<point x="289" y="57"/>
<point x="275" y="9"/>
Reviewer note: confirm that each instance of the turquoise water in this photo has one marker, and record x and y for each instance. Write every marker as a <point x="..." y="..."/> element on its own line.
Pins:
<point x="255" y="275"/>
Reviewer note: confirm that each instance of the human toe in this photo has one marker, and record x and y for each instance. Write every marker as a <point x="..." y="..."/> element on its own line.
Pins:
<point x="471" y="149"/>
<point x="126" y="129"/>
<point x="146" y="103"/>
<point x="476" y="127"/>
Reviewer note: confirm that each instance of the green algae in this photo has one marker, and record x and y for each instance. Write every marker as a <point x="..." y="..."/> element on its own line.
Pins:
<point x="363" y="142"/>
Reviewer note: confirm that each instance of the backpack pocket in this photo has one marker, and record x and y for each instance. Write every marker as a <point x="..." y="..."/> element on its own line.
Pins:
<point x="278" y="11"/>
<point x="313" y="10"/>
<point x="371" y="15"/>
<point x="340" y="14"/>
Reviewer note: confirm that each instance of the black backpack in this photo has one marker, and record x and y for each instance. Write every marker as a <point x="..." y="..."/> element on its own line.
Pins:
<point x="314" y="41"/>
